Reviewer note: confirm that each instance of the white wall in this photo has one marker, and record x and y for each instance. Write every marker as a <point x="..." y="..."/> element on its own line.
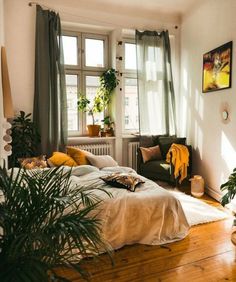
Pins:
<point x="208" y="26"/>
<point x="1" y="105"/>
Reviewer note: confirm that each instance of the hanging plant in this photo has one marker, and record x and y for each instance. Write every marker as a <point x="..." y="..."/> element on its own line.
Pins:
<point x="108" y="82"/>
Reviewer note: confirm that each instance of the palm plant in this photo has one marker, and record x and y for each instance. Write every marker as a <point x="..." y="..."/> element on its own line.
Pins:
<point x="45" y="222"/>
<point x="230" y="187"/>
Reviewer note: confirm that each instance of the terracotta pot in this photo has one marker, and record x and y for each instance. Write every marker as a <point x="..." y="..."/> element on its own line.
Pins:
<point x="93" y="130"/>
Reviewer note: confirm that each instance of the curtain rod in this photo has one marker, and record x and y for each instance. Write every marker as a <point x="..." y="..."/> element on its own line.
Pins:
<point x="36" y="3"/>
<point x="73" y="15"/>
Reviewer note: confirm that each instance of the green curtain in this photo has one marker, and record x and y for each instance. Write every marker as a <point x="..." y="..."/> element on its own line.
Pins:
<point x="50" y="106"/>
<point x="155" y="83"/>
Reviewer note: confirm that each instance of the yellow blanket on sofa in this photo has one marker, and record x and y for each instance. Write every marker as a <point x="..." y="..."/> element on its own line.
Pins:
<point x="180" y="160"/>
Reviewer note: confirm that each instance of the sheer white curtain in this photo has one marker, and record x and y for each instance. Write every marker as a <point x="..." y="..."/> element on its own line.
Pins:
<point x="155" y="83"/>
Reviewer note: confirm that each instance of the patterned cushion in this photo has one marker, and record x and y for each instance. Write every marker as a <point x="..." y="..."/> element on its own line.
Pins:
<point x="34" y="162"/>
<point x="122" y="180"/>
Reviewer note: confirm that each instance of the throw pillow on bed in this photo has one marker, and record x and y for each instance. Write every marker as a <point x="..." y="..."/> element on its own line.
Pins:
<point x="34" y="162"/>
<point x="122" y="180"/>
<point x="151" y="153"/>
<point x="59" y="158"/>
<point x="101" y="161"/>
<point x="80" y="156"/>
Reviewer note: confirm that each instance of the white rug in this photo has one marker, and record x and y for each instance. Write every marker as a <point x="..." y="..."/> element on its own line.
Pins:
<point x="197" y="211"/>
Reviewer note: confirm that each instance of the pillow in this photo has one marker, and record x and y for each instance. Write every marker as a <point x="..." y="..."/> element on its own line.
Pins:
<point x="122" y="180"/>
<point x="166" y="142"/>
<point x="101" y="161"/>
<point x="151" y="153"/>
<point x="59" y="158"/>
<point x="78" y="155"/>
<point x="34" y="162"/>
<point x="83" y="169"/>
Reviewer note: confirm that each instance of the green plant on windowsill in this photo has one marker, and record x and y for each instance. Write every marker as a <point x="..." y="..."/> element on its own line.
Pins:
<point x="108" y="129"/>
<point x="46" y="222"/>
<point x="108" y="82"/>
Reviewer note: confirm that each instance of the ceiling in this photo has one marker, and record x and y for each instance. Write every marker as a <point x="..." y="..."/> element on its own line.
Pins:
<point x="177" y="7"/>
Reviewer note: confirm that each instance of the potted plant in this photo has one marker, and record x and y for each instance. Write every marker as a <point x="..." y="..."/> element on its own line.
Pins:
<point x="230" y="188"/>
<point x="25" y="138"/>
<point x="84" y="105"/>
<point x="46" y="223"/>
<point x="108" y="129"/>
<point x="108" y="82"/>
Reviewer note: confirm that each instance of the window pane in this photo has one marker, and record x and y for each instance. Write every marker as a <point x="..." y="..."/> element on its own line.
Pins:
<point x="131" y="105"/>
<point x="92" y="84"/>
<point x="94" y="53"/>
<point x="130" y="56"/>
<point x="70" y="47"/>
<point x="72" y="97"/>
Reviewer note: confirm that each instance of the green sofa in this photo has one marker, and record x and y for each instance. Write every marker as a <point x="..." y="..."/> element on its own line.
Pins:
<point x="160" y="169"/>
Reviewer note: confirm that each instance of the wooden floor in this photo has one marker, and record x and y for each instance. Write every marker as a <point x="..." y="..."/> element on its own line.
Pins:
<point x="206" y="254"/>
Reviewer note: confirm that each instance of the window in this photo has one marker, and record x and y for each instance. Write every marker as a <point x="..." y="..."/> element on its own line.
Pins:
<point x="131" y="109"/>
<point x="70" y="47"/>
<point x="72" y="96"/>
<point x="92" y="84"/>
<point x="126" y="120"/>
<point x="130" y="56"/>
<point x="130" y="89"/>
<point x="85" y="57"/>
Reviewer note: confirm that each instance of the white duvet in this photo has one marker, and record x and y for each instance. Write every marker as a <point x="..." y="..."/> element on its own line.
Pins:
<point x="150" y="215"/>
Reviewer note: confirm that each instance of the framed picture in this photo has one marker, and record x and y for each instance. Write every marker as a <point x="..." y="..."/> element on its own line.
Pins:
<point x="217" y="65"/>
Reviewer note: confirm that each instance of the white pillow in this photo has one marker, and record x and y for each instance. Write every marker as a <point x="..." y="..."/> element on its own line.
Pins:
<point x="101" y="161"/>
<point x="83" y="169"/>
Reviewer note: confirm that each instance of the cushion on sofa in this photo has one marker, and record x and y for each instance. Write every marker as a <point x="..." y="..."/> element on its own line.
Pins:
<point x="166" y="142"/>
<point x="151" y="153"/>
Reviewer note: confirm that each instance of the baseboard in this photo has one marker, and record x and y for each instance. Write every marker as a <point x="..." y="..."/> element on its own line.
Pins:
<point x="215" y="195"/>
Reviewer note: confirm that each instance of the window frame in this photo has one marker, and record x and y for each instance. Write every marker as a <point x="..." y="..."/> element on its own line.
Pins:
<point x="84" y="74"/>
<point x="129" y="41"/>
<point x="82" y="71"/>
<point x="127" y="76"/>
<point x="127" y="73"/>
<point x="80" y="114"/>
<point x="79" y="49"/>
<point x="105" y="50"/>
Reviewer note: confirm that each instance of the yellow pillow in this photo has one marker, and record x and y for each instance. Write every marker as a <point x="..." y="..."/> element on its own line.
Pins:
<point x="78" y="155"/>
<point x="59" y="158"/>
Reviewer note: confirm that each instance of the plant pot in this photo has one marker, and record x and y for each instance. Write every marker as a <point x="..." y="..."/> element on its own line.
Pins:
<point x="93" y="130"/>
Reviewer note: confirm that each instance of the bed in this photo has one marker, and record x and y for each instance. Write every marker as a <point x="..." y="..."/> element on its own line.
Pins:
<point x="150" y="215"/>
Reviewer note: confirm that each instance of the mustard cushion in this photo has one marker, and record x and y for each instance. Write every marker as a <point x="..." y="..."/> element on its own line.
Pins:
<point x="59" y="158"/>
<point x="80" y="156"/>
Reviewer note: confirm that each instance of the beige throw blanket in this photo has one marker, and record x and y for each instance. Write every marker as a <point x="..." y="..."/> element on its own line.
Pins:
<point x="150" y="215"/>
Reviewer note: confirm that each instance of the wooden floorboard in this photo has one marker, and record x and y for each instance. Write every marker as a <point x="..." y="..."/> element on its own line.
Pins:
<point x="206" y="254"/>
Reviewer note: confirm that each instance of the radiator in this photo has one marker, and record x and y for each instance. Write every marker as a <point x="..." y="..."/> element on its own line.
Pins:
<point x="132" y="154"/>
<point x="97" y="149"/>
